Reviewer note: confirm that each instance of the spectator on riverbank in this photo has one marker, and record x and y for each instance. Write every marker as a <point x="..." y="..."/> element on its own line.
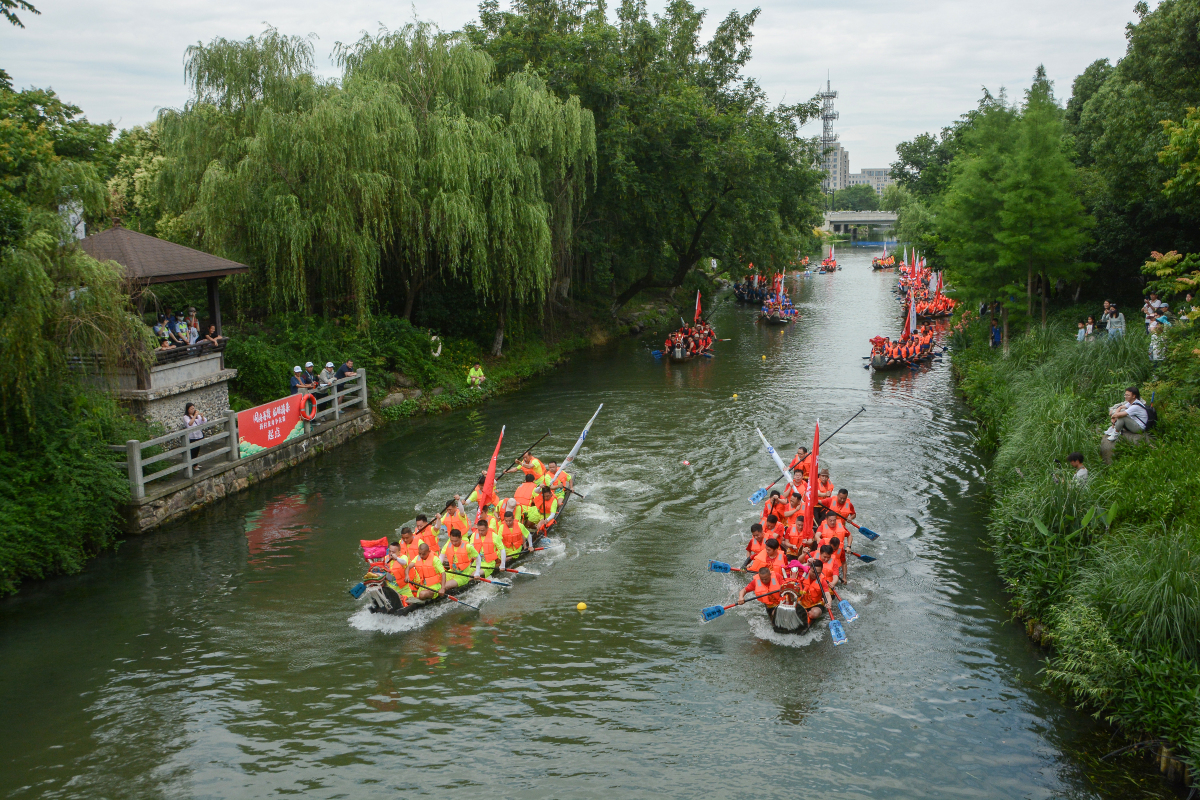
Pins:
<point x="297" y="379"/>
<point x="475" y="375"/>
<point x="996" y="334"/>
<point x="326" y="378"/>
<point x="345" y="371"/>
<point x="1130" y="416"/>
<point x="162" y="334"/>
<point x="310" y="377"/>
<point x="1089" y="330"/>
<point x="1080" y="334"/>
<point x="193" y="325"/>
<point x="212" y="337"/>
<point x="194" y="421"/>
<point x="1116" y="321"/>
<point x="1081" y="473"/>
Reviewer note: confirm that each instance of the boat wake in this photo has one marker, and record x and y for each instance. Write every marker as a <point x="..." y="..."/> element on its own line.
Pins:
<point x="364" y="620"/>
<point x="762" y="629"/>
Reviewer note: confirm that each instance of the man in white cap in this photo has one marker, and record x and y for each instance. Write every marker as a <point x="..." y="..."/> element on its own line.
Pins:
<point x="310" y="377"/>
<point x="297" y="379"/>
<point x="326" y="377"/>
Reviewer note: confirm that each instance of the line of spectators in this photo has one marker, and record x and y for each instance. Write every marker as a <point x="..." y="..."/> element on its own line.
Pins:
<point x="319" y="383"/>
<point x="178" y="330"/>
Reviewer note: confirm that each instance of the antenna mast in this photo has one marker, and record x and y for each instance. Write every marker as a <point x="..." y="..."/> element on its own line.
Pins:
<point x="828" y="137"/>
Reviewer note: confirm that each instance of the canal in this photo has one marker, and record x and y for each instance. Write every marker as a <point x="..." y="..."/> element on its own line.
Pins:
<point x="225" y="658"/>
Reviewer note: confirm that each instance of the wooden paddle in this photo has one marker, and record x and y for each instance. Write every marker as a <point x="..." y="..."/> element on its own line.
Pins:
<point x="480" y="578"/>
<point x="437" y="592"/>
<point x="712" y="612"/>
<point x="761" y="494"/>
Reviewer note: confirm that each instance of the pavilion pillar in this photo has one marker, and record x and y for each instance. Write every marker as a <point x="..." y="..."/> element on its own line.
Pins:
<point x="214" y="303"/>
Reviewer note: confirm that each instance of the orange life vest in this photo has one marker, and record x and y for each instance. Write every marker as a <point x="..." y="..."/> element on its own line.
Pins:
<point x="511" y="535"/>
<point x="454" y="520"/>
<point x="458" y="557"/>
<point x="524" y="494"/>
<point x="542" y="505"/>
<point x="757" y="587"/>
<point x="410" y="551"/>
<point x="427" y="571"/>
<point x="810" y="593"/>
<point x="428" y="535"/>
<point x="486" y="547"/>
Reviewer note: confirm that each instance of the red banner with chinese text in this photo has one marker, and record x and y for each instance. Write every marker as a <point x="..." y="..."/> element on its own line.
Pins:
<point x="268" y="425"/>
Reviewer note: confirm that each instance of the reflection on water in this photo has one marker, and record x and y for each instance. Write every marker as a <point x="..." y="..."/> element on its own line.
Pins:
<point x="186" y="665"/>
<point x="284" y="522"/>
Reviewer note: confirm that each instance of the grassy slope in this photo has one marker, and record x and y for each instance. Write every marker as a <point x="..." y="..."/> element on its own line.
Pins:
<point x="1107" y="574"/>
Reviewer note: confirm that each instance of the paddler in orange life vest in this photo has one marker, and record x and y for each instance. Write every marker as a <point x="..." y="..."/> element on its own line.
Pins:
<point x="765" y="588"/>
<point x="771" y="557"/>
<point x="800" y="462"/>
<point x="459" y="557"/>
<point x="428" y="571"/>
<point x="530" y="466"/>
<point x="514" y="536"/>
<point x="756" y="544"/>
<point x="813" y="590"/>
<point x="489" y="543"/>
<point x="545" y="506"/>
<point x="405" y="546"/>
<point x="426" y="532"/>
<point x="828" y="565"/>
<point x="558" y="480"/>
<point x="524" y="493"/>
<point x="454" y="517"/>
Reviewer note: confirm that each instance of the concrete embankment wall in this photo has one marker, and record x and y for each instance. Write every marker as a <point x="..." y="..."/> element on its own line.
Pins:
<point x="176" y="500"/>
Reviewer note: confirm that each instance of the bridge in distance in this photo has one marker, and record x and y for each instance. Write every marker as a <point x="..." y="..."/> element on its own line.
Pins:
<point x="842" y="221"/>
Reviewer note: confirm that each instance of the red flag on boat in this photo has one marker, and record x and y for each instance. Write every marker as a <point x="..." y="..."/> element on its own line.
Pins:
<point x="810" y="502"/>
<point x="697" y="318"/>
<point x="489" y="485"/>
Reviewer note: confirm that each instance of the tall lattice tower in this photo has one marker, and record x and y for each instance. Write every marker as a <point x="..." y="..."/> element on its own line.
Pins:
<point x="829" y="148"/>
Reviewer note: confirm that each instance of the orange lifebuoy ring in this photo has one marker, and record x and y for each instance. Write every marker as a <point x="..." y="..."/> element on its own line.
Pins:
<point x="309" y="402"/>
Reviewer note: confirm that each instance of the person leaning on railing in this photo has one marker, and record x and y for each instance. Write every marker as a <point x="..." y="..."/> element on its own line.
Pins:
<point x="194" y="421"/>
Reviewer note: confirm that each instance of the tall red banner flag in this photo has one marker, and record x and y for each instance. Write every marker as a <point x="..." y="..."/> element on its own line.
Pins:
<point x="489" y="484"/>
<point x="810" y="502"/>
<point x="697" y="317"/>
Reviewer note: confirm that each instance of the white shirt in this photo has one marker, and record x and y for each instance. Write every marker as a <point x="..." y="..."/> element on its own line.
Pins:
<point x="1137" y="411"/>
<point x="196" y="434"/>
<point x="1081" y="476"/>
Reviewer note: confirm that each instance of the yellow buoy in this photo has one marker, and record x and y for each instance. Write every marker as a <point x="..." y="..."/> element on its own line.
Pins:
<point x="735" y="395"/>
<point x="764" y="358"/>
<point x="581" y="607"/>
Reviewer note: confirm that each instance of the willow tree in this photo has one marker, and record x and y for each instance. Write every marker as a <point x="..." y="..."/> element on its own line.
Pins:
<point x="419" y="165"/>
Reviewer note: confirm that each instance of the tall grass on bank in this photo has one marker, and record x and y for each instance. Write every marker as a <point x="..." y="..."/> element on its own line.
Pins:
<point x="1110" y="570"/>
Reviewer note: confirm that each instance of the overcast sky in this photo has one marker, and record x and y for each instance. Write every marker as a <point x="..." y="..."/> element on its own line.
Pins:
<point x="901" y="67"/>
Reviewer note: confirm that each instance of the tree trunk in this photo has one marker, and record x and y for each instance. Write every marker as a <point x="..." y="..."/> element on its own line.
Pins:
<point x="498" y="342"/>
<point x="1029" y="292"/>
<point x="412" y="287"/>
<point x="1078" y="288"/>
<point x="1045" y="283"/>
<point x="682" y="267"/>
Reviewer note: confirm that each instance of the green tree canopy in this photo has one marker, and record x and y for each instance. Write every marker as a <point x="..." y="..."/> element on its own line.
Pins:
<point x="856" y="198"/>
<point x="1043" y="226"/>
<point x="421" y="164"/>
<point x="693" y="163"/>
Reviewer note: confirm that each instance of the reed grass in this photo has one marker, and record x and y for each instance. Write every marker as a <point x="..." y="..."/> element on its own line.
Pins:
<point x="1111" y="569"/>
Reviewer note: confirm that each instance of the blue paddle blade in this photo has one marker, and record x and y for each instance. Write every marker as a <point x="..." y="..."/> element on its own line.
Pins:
<point x="847" y="610"/>
<point x="656" y="353"/>
<point x="758" y="496"/>
<point x="718" y="566"/>
<point x="358" y="590"/>
<point x="867" y="532"/>
<point x="864" y="559"/>
<point x="835" y="630"/>
<point x="711" y="613"/>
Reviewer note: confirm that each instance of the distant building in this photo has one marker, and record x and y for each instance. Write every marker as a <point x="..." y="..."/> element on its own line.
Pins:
<point x="837" y="168"/>
<point x="877" y="179"/>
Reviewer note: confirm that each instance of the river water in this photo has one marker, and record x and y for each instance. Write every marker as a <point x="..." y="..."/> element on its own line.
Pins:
<point x="224" y="657"/>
